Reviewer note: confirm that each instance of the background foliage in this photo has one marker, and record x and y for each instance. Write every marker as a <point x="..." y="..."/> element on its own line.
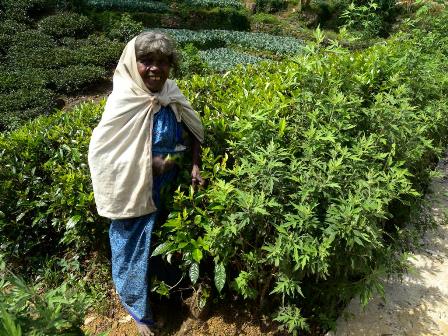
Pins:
<point x="47" y="52"/>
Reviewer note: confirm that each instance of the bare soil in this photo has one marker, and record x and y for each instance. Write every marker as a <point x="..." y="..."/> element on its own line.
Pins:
<point x="180" y="319"/>
<point x="102" y="90"/>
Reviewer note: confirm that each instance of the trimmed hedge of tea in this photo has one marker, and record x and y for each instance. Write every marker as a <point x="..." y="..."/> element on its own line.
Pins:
<point x="54" y="59"/>
<point x="26" y="11"/>
<point x="46" y="179"/>
<point x="66" y="25"/>
<point x="129" y="5"/>
<point x="214" y="3"/>
<point x="205" y="39"/>
<point x="223" y="59"/>
<point x="213" y="18"/>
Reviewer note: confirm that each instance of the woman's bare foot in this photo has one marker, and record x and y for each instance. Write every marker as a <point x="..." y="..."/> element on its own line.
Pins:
<point x="144" y="329"/>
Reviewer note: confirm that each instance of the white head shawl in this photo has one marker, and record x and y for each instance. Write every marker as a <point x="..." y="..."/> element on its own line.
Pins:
<point x="120" y="148"/>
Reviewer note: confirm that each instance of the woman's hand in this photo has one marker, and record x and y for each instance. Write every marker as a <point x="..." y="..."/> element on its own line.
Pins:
<point x="196" y="178"/>
<point x="161" y="165"/>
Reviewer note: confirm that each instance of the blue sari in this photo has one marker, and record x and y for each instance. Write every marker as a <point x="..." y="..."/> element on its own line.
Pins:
<point x="130" y="238"/>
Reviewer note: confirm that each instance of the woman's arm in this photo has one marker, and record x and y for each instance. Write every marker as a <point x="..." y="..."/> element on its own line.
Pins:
<point x="196" y="178"/>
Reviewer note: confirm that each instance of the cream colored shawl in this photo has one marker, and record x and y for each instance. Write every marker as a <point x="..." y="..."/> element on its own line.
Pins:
<point x="120" y="148"/>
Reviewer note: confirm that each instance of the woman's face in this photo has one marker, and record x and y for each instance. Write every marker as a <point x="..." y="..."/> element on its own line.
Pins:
<point x="154" y="68"/>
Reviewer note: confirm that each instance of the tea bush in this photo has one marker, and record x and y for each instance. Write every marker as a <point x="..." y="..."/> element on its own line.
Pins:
<point x="215" y="3"/>
<point x="24" y="104"/>
<point x="29" y="310"/>
<point x="7" y="30"/>
<point x="223" y="59"/>
<point x="311" y="165"/>
<point x="76" y="78"/>
<point x="46" y="200"/>
<point x="125" y="29"/>
<point x="66" y="25"/>
<point x="26" y="11"/>
<point x="129" y="5"/>
<point x="206" y="39"/>
<point x="214" y="18"/>
<point x="31" y="48"/>
<point x="34" y="61"/>
<point x="95" y="50"/>
<point x="270" y="6"/>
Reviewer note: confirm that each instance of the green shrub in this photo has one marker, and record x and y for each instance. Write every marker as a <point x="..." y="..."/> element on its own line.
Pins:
<point x="215" y="18"/>
<point x="31" y="49"/>
<point x="7" y="30"/>
<point x="191" y="62"/>
<point x="270" y="6"/>
<point x="12" y="80"/>
<point x="66" y="24"/>
<point x="310" y="164"/>
<point x="223" y="59"/>
<point x="102" y="20"/>
<point x="215" y="3"/>
<point x="45" y="185"/>
<point x="265" y="18"/>
<point x="24" y="104"/>
<point x="125" y="29"/>
<point x="76" y="78"/>
<point x="152" y="20"/>
<point x="34" y="63"/>
<point x="27" y="11"/>
<point x="129" y="5"/>
<point x="98" y="50"/>
<point x="29" y="310"/>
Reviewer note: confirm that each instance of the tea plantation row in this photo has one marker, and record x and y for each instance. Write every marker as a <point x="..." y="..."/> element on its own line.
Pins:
<point x="47" y="54"/>
<point x="312" y="165"/>
<point x="205" y="39"/>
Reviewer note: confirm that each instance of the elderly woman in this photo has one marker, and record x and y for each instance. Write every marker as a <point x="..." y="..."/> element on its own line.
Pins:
<point x="129" y="160"/>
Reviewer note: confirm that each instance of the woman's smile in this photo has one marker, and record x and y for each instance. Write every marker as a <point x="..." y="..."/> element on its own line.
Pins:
<point x="154" y="69"/>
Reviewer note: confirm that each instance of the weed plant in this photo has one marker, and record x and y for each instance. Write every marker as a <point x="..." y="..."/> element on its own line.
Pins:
<point x="29" y="310"/>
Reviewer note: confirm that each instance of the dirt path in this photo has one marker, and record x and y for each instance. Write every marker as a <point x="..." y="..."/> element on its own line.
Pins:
<point x="418" y="305"/>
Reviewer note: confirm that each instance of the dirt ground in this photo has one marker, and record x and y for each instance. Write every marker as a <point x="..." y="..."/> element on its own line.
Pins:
<point x="417" y="305"/>
<point x="228" y="320"/>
